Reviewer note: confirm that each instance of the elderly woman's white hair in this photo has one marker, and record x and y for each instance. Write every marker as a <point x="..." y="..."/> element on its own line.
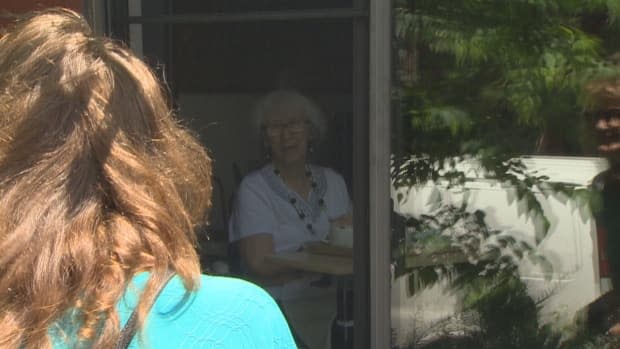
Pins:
<point x="290" y="103"/>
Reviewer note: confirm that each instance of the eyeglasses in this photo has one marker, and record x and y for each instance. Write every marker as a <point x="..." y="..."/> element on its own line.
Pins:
<point x="276" y="129"/>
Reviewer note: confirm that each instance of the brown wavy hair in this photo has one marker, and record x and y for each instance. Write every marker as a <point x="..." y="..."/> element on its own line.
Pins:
<point x="97" y="182"/>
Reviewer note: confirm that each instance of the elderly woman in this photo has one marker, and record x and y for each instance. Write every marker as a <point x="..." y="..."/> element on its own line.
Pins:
<point x="287" y="203"/>
<point x="100" y="191"/>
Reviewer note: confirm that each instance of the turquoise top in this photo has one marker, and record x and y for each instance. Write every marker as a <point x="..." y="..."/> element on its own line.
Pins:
<point x="223" y="313"/>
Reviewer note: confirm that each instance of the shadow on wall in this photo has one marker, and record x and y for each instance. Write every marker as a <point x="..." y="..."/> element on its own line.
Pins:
<point x="224" y="126"/>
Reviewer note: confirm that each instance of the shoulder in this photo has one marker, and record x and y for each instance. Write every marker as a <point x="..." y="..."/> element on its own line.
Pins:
<point x="335" y="182"/>
<point x="259" y="180"/>
<point x="228" y="311"/>
<point x="228" y="288"/>
<point x="214" y="292"/>
<point x="330" y="175"/>
<point x="253" y="178"/>
<point x="254" y="187"/>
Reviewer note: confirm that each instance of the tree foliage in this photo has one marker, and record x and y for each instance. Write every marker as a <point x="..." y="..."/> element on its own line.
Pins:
<point x="495" y="74"/>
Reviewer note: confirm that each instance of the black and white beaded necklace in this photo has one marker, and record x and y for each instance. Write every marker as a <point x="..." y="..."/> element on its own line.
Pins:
<point x="294" y="202"/>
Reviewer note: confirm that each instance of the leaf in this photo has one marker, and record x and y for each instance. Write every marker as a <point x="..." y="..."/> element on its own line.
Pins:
<point x="541" y="226"/>
<point x="456" y="120"/>
<point x="434" y="199"/>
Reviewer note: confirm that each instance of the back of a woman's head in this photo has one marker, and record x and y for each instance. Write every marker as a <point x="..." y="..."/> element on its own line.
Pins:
<point x="97" y="181"/>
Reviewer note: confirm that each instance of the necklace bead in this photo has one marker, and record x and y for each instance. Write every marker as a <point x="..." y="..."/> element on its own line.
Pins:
<point x="293" y="200"/>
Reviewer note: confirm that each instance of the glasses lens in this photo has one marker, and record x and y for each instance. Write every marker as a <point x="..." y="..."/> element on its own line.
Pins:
<point x="277" y="128"/>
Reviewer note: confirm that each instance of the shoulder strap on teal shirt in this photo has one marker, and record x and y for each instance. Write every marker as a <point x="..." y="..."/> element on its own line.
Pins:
<point x="129" y="330"/>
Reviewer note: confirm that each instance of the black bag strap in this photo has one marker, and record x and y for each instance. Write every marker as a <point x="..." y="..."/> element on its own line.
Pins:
<point x="129" y="330"/>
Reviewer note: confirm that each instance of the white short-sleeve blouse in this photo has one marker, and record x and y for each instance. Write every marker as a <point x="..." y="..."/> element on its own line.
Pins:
<point x="263" y="205"/>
